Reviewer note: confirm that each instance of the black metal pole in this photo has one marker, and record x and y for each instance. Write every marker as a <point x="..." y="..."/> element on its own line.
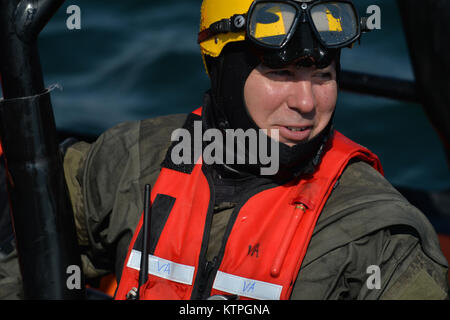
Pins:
<point x="146" y="225"/>
<point x="427" y="31"/>
<point x="379" y="86"/>
<point x="41" y="209"/>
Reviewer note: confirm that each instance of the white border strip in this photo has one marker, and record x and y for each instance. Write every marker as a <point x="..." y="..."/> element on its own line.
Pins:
<point x="163" y="268"/>
<point x="247" y="287"/>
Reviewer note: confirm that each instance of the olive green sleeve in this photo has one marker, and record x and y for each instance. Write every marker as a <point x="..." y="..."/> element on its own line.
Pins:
<point x="74" y="160"/>
<point x="388" y="264"/>
<point x="106" y="182"/>
<point x="10" y="277"/>
<point x="395" y="259"/>
<point x="367" y="227"/>
<point x="417" y="278"/>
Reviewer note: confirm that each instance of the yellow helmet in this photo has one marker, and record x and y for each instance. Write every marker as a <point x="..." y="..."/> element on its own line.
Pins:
<point x="216" y="10"/>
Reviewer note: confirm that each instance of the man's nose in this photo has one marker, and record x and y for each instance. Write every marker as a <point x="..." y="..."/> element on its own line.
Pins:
<point x="301" y="97"/>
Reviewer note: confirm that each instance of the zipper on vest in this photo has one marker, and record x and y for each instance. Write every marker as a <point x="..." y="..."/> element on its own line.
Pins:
<point x="205" y="279"/>
<point x="205" y="267"/>
<point x="209" y="267"/>
<point x="213" y="267"/>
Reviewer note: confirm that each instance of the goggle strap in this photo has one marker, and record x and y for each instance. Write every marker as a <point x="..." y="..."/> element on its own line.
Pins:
<point x="364" y="27"/>
<point x="236" y="23"/>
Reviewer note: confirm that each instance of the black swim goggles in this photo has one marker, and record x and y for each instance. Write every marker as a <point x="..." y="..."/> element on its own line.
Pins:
<point x="272" y="24"/>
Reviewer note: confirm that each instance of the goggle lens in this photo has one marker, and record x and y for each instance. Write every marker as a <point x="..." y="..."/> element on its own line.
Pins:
<point x="270" y="23"/>
<point x="335" y="22"/>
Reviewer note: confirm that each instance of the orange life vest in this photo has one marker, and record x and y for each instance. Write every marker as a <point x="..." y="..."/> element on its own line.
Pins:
<point x="265" y="242"/>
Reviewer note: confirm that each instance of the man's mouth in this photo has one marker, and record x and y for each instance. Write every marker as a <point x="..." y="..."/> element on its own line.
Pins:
<point x="295" y="129"/>
<point x="295" y="134"/>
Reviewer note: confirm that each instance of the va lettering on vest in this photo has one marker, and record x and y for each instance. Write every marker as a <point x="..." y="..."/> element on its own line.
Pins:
<point x="253" y="250"/>
<point x="249" y="286"/>
<point x="163" y="267"/>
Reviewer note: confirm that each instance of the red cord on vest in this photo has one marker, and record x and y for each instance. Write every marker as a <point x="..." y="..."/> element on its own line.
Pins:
<point x="299" y="211"/>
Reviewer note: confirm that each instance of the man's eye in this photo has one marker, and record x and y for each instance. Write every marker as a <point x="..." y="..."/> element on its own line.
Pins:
<point x="281" y="73"/>
<point x="324" y="75"/>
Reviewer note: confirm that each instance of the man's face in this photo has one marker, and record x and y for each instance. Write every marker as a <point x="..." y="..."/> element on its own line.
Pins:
<point x="298" y="101"/>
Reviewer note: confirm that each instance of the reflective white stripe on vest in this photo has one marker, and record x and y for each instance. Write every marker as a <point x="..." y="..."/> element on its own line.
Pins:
<point x="247" y="287"/>
<point x="163" y="268"/>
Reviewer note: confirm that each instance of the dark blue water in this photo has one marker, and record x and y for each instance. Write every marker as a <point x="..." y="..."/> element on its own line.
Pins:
<point x="137" y="59"/>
